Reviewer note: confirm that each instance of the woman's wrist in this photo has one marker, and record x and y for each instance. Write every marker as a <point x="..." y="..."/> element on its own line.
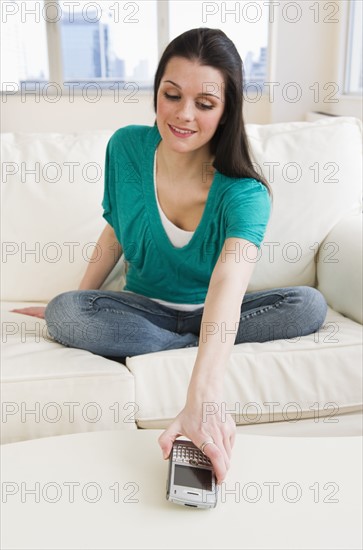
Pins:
<point x="203" y="390"/>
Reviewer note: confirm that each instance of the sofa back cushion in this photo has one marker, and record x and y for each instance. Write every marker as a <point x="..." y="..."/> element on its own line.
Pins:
<point x="52" y="188"/>
<point x="315" y="171"/>
<point x="52" y="217"/>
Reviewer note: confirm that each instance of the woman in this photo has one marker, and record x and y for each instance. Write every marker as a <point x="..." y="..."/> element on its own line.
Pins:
<point x="185" y="205"/>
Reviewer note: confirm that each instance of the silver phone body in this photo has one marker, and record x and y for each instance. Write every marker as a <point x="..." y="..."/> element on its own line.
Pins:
<point x="191" y="479"/>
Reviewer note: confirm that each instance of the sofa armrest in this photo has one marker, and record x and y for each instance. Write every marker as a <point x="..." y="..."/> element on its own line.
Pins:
<point x="339" y="268"/>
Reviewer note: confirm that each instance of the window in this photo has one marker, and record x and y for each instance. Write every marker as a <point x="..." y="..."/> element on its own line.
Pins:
<point x="111" y="41"/>
<point x="354" y="66"/>
<point x="102" y="42"/>
<point x="245" y="24"/>
<point x="24" y="54"/>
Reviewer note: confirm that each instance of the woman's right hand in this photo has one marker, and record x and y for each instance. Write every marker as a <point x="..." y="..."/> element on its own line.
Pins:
<point x="33" y="311"/>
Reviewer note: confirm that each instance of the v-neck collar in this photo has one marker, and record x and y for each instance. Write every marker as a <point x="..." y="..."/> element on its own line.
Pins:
<point x="157" y="228"/>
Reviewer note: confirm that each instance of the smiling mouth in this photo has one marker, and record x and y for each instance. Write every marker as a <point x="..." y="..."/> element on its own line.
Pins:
<point x="181" y="131"/>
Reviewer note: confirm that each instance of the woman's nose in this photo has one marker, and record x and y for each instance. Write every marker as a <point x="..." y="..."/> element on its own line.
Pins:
<point x="186" y="111"/>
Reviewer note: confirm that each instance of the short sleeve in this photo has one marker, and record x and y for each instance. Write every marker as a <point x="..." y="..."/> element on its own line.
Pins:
<point x="109" y="182"/>
<point x="248" y="211"/>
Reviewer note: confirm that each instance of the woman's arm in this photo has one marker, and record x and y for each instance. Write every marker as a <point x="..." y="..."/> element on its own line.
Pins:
<point x="202" y="416"/>
<point x="108" y="253"/>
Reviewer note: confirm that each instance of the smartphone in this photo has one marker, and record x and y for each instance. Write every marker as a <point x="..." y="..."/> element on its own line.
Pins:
<point x="191" y="479"/>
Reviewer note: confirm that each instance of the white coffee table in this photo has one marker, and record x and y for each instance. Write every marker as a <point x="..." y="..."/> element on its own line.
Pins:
<point x="118" y="496"/>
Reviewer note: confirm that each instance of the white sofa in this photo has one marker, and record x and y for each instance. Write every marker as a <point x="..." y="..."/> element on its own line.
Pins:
<point x="51" y="218"/>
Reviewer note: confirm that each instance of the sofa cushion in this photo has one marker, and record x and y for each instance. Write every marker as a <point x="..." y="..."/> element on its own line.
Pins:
<point x="49" y="389"/>
<point x="52" y="218"/>
<point x="348" y="424"/>
<point x="315" y="171"/>
<point x="317" y="376"/>
<point x="337" y="280"/>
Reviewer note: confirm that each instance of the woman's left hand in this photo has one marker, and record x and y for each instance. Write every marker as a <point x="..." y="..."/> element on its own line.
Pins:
<point x="33" y="311"/>
<point x="204" y="420"/>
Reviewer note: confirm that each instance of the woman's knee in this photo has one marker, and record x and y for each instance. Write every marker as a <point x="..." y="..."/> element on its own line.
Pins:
<point x="63" y="315"/>
<point x="59" y="305"/>
<point x="315" y="304"/>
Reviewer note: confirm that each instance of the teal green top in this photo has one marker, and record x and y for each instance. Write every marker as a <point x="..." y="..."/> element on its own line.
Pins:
<point x="157" y="269"/>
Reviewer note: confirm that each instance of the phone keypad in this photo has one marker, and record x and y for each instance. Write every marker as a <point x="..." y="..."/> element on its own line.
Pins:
<point x="192" y="455"/>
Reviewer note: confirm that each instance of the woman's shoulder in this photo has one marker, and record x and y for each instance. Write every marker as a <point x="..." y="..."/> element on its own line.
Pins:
<point x="245" y="195"/>
<point x="235" y="187"/>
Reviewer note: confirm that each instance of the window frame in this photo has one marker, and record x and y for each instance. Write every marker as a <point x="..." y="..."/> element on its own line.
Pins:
<point x="348" y="53"/>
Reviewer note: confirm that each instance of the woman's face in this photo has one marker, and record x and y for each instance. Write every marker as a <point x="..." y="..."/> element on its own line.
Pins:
<point x="190" y="104"/>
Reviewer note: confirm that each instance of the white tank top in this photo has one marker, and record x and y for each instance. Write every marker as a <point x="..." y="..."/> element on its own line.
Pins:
<point x="177" y="236"/>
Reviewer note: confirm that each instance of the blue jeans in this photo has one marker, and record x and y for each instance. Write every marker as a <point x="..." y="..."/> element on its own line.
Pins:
<point x="121" y="324"/>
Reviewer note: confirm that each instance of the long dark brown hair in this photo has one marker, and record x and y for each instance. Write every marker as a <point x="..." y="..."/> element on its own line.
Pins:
<point x="229" y="145"/>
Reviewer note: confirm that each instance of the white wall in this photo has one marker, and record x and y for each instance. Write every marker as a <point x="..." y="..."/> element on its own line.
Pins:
<point x="304" y="52"/>
<point x="311" y="54"/>
<point x="81" y="115"/>
<point x="346" y="105"/>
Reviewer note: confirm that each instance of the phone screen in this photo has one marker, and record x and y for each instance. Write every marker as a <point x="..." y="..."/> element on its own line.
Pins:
<point x="193" y="477"/>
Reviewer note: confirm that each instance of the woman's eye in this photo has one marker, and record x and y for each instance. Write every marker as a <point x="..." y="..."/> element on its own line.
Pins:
<point x="172" y="97"/>
<point x="204" y="106"/>
<point x="177" y="97"/>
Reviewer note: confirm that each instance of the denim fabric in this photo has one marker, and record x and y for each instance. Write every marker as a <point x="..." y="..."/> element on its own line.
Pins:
<point x="121" y="324"/>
